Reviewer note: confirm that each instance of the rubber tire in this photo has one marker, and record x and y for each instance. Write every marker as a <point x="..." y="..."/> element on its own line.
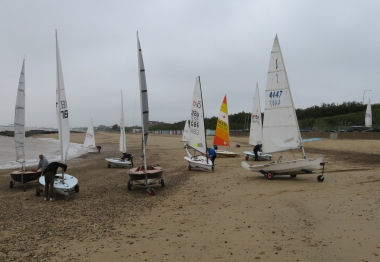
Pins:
<point x="11" y="184"/>
<point x="269" y="175"/>
<point x="320" y="178"/>
<point x="293" y="175"/>
<point x="189" y="167"/>
<point x="37" y="191"/>
<point x="109" y="165"/>
<point x="246" y="158"/>
<point x="76" y="188"/>
<point x="129" y="186"/>
<point x="162" y="182"/>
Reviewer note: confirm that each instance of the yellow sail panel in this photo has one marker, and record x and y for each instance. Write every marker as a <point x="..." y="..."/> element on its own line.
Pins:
<point x="222" y="136"/>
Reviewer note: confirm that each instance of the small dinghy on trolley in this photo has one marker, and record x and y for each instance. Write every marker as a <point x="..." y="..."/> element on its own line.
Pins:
<point x="281" y="131"/>
<point x="21" y="176"/>
<point x="197" y="137"/>
<point x="144" y="175"/>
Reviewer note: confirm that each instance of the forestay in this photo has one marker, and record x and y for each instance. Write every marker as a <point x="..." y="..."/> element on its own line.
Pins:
<point x="280" y="130"/>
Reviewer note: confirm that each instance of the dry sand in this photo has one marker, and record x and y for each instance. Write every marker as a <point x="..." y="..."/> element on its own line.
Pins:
<point x="229" y="215"/>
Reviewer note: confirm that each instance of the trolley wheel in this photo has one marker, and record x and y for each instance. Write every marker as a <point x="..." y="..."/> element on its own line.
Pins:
<point x="76" y="188"/>
<point x="11" y="184"/>
<point x="151" y="192"/>
<point x="189" y="167"/>
<point x="246" y="157"/>
<point x="38" y="191"/>
<point x="129" y="186"/>
<point x="320" y="178"/>
<point x="162" y="182"/>
<point x="269" y="175"/>
<point x="24" y="187"/>
<point x="293" y="175"/>
<point x="109" y="165"/>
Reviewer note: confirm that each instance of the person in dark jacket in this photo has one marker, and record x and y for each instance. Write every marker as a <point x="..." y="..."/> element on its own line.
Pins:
<point x="49" y="174"/>
<point x="127" y="156"/>
<point x="212" y="154"/>
<point x="98" y="147"/>
<point x="256" y="150"/>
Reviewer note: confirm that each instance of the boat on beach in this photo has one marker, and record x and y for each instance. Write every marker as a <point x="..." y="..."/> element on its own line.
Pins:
<point x="281" y="131"/>
<point x="64" y="184"/>
<point x="22" y="176"/>
<point x="256" y="129"/>
<point x="144" y="175"/>
<point x="222" y="132"/>
<point x="197" y="137"/>
<point x="118" y="161"/>
<point x="89" y="141"/>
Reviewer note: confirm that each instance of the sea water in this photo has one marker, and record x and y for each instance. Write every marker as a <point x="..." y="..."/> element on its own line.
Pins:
<point x="49" y="147"/>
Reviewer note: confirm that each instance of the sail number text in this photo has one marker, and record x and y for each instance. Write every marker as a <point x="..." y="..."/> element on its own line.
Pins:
<point x="275" y="100"/>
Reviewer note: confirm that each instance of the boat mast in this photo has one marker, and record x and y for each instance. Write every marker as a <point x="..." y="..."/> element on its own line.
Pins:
<point x="291" y="97"/>
<point x="203" y="112"/>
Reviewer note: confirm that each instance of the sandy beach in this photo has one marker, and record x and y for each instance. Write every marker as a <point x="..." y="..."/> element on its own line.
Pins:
<point x="229" y="215"/>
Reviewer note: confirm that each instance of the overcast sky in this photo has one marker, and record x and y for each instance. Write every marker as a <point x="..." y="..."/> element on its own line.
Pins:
<point x="330" y="48"/>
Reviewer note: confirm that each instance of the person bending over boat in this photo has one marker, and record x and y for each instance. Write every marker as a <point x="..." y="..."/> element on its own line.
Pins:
<point x="43" y="163"/>
<point x="127" y="156"/>
<point x="49" y="174"/>
<point x="212" y="155"/>
<point x="256" y="150"/>
<point x="98" y="147"/>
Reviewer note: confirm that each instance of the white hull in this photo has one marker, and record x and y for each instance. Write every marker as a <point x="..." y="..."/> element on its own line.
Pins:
<point x="116" y="161"/>
<point x="226" y="153"/>
<point x="65" y="188"/>
<point x="92" y="150"/>
<point x="299" y="166"/>
<point x="200" y="163"/>
<point x="261" y="157"/>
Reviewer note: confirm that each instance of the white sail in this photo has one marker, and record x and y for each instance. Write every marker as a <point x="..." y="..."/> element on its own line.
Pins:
<point x="89" y="140"/>
<point x="62" y="109"/>
<point x="256" y="130"/>
<point x="368" y="115"/>
<point x="186" y="132"/>
<point x="19" y="121"/>
<point x="143" y="100"/>
<point x="280" y="129"/>
<point x="122" y="143"/>
<point x="197" y="137"/>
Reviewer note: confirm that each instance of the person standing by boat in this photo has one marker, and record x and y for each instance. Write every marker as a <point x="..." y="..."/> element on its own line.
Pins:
<point x="43" y="163"/>
<point x="98" y="147"/>
<point x="212" y="155"/>
<point x="49" y="174"/>
<point x="256" y="150"/>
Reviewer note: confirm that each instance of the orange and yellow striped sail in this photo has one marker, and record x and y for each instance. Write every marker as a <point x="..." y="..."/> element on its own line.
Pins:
<point x="222" y="132"/>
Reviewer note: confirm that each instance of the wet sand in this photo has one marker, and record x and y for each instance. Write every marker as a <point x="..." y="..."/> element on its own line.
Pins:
<point x="229" y="215"/>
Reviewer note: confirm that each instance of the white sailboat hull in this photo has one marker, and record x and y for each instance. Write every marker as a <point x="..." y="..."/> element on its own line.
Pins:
<point x="116" y="161"/>
<point x="298" y="166"/>
<point x="261" y="157"/>
<point x="60" y="188"/>
<point x="226" y="153"/>
<point x="92" y="150"/>
<point x="199" y="163"/>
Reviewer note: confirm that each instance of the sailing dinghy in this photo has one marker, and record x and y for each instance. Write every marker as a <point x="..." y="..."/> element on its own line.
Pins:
<point x="256" y="130"/>
<point x="197" y="137"/>
<point x="64" y="184"/>
<point x="368" y="115"/>
<point x="117" y="161"/>
<point x="89" y="140"/>
<point x="144" y="175"/>
<point x="222" y="132"/>
<point x="186" y="132"/>
<point x="21" y="176"/>
<point x="281" y="131"/>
